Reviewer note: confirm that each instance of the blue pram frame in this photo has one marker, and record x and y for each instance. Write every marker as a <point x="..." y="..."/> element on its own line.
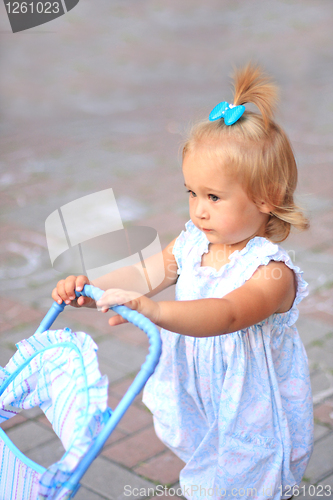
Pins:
<point x="114" y="416"/>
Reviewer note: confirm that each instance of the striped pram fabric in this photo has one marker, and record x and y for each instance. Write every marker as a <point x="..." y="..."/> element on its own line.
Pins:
<point x="57" y="371"/>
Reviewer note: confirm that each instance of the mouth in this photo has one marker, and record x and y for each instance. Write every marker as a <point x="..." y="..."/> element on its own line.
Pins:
<point x="206" y="230"/>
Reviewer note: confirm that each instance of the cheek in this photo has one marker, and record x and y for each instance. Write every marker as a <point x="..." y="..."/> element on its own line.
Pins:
<point x="252" y="217"/>
<point x="248" y="209"/>
<point x="229" y="218"/>
<point x="240" y="215"/>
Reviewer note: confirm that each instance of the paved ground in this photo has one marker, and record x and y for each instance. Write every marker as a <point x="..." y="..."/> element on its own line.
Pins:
<point x="102" y="98"/>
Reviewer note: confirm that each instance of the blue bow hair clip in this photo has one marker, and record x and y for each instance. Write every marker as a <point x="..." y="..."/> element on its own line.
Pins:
<point x="229" y="112"/>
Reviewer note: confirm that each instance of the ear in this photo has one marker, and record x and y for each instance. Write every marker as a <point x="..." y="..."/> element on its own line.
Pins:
<point x="265" y="208"/>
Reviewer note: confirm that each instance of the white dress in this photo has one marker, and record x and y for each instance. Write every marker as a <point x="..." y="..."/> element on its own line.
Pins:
<point x="236" y="408"/>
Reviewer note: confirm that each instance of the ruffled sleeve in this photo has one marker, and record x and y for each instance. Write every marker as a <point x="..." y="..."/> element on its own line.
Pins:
<point x="259" y="252"/>
<point x="189" y="241"/>
<point x="178" y="250"/>
<point x="301" y="292"/>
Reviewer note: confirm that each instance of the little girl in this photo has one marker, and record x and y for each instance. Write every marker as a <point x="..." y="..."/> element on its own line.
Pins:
<point x="231" y="395"/>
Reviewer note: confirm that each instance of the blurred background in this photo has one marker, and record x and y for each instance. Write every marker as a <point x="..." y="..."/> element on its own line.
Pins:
<point x="103" y="97"/>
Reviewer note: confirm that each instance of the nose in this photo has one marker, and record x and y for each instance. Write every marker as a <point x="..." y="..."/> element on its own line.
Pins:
<point x="201" y="211"/>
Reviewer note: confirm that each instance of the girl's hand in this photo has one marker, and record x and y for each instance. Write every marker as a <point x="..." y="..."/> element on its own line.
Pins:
<point x="65" y="291"/>
<point x="133" y="300"/>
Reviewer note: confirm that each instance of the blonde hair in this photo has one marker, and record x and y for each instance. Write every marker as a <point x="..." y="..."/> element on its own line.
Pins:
<point x="257" y="151"/>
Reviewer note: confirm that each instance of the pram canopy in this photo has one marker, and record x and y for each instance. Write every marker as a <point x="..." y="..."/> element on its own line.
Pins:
<point x="58" y="371"/>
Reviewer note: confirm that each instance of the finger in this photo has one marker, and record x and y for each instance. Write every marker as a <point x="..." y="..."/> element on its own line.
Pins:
<point x="62" y="292"/>
<point x="115" y="296"/>
<point x="109" y="298"/>
<point x="104" y="308"/>
<point x="70" y="287"/>
<point x="80" y="282"/>
<point x="56" y="296"/>
<point x="81" y="301"/>
<point x="117" y="320"/>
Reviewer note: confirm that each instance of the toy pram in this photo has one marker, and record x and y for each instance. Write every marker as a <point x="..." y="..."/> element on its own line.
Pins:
<point x="58" y="370"/>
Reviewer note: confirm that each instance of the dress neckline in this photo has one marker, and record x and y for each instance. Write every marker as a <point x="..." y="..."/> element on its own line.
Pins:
<point x="232" y="257"/>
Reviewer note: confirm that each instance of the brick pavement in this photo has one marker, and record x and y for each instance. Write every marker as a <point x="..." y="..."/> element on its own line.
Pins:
<point x="103" y="98"/>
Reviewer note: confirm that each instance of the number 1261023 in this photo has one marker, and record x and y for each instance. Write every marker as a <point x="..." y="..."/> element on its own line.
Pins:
<point x="309" y="490"/>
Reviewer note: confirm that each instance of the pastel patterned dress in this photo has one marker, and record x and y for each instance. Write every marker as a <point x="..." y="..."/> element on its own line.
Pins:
<point x="236" y="408"/>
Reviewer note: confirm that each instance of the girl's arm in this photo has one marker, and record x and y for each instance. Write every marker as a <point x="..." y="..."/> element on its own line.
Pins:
<point x="135" y="278"/>
<point x="270" y="290"/>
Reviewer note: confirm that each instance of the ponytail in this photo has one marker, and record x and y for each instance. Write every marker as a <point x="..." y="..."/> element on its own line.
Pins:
<point x="252" y="85"/>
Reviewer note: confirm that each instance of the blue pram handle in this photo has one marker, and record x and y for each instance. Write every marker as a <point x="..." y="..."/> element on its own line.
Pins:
<point x="112" y="417"/>
<point x="133" y="317"/>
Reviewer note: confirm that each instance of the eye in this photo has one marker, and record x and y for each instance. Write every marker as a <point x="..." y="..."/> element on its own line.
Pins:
<point x="192" y="193"/>
<point x="213" y="197"/>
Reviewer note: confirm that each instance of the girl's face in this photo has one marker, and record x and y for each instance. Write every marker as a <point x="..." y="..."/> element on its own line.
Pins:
<point x="219" y="206"/>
